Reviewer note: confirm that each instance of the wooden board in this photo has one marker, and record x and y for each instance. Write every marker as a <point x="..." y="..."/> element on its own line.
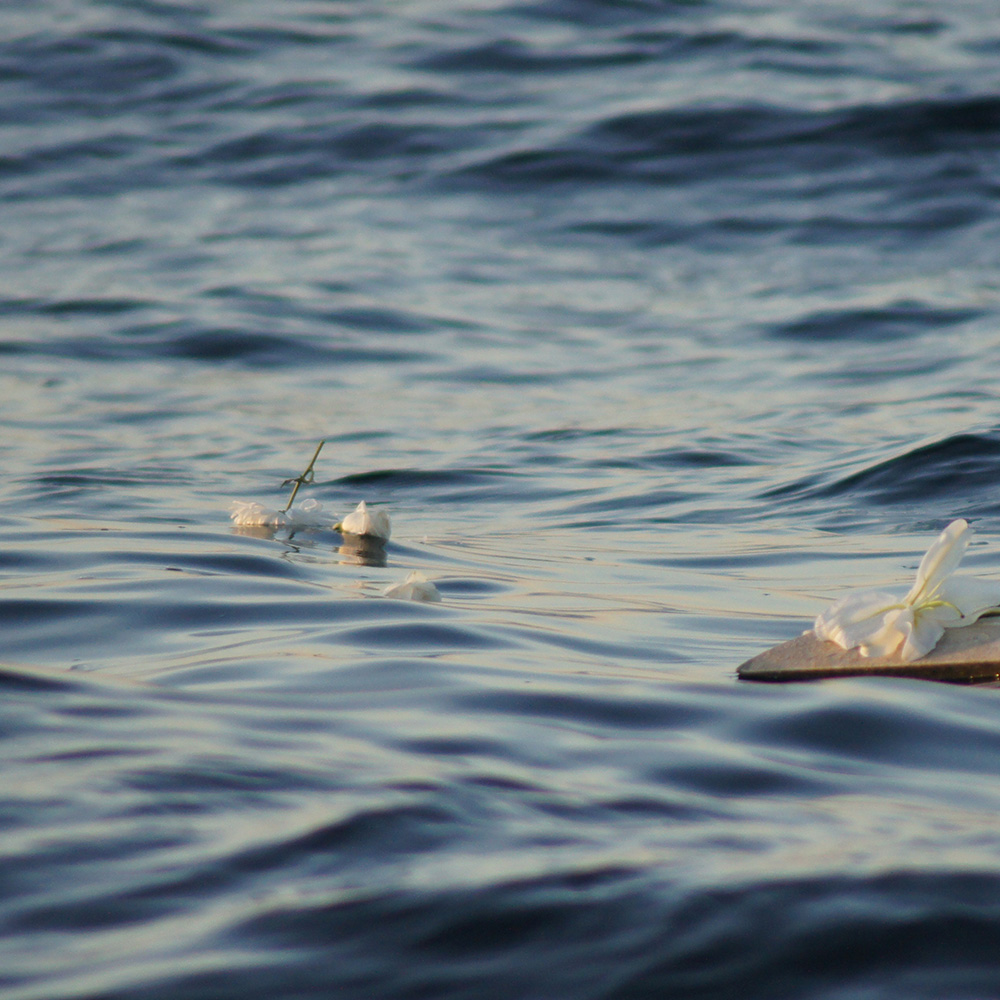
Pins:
<point x="969" y="655"/>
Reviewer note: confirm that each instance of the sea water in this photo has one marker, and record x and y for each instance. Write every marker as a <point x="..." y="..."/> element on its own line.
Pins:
<point x="655" y="326"/>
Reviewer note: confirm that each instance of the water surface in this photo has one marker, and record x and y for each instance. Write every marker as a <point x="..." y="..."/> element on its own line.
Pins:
<point x="655" y="326"/>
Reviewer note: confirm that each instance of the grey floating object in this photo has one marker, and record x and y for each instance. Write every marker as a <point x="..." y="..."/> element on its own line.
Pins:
<point x="968" y="655"/>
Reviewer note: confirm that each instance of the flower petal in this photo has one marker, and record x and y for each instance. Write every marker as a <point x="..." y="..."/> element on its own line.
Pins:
<point x="972" y="595"/>
<point x="250" y="514"/>
<point x="921" y="636"/>
<point x="362" y="521"/>
<point x="878" y="624"/>
<point x="857" y="618"/>
<point x="940" y="561"/>
<point x="416" y="587"/>
<point x="896" y="626"/>
<point x="309" y="513"/>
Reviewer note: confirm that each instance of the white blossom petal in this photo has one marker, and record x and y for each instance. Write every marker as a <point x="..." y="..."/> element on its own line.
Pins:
<point x="878" y="624"/>
<point x="250" y="514"/>
<point x="370" y="523"/>
<point x="309" y="513"/>
<point x="895" y="628"/>
<point x="922" y="632"/>
<point x="416" y="587"/>
<point x="856" y="618"/>
<point x="940" y="561"/>
<point x="972" y="596"/>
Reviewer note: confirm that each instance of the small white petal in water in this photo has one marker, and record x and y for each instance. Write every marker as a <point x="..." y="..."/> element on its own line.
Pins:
<point x="250" y="514"/>
<point x="309" y="513"/>
<point x="369" y="523"/>
<point x="880" y="624"/>
<point x="416" y="587"/>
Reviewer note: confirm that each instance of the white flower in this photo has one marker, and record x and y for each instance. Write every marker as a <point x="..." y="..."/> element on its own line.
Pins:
<point x="362" y="521"/>
<point x="250" y="514"/>
<point x="880" y="624"/>
<point x="416" y="587"/>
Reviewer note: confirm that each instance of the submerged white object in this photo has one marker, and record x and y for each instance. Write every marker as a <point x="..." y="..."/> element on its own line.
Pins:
<point x="250" y="514"/>
<point x="369" y="523"/>
<point x="416" y="587"/>
<point x="880" y="624"/>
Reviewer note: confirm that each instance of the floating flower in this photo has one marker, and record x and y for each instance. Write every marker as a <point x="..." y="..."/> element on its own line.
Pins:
<point x="880" y="624"/>
<point x="416" y="587"/>
<point x="250" y="514"/>
<point x="365" y="522"/>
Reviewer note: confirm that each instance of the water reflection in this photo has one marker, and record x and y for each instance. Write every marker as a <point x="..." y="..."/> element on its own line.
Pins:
<point x="362" y="550"/>
<point x="356" y="550"/>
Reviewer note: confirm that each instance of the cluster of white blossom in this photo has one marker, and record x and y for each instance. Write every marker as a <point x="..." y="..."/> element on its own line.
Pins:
<point x="881" y="624"/>
<point x="250" y="514"/>
<point x="362" y="523"/>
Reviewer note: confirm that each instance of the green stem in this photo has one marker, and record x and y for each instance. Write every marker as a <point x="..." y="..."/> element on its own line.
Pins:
<point x="941" y="604"/>
<point x="307" y="476"/>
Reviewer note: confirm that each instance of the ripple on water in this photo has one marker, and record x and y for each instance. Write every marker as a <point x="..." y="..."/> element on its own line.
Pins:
<point x="637" y="317"/>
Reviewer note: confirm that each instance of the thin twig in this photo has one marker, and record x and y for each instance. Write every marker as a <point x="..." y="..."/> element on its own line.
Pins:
<point x="307" y="476"/>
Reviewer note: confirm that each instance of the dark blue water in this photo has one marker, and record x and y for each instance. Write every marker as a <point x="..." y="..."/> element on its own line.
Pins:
<point x="655" y="326"/>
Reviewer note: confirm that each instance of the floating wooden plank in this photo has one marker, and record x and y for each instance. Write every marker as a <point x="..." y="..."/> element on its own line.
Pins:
<point x="968" y="655"/>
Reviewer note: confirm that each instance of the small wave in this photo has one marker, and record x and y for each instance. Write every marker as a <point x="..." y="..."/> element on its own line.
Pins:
<point x="381" y="319"/>
<point x="701" y="144"/>
<point x="24" y="677"/>
<point x="280" y="156"/>
<point x="916" y="934"/>
<point x="954" y="469"/>
<point x="513" y="56"/>
<point x="417" y="637"/>
<point x="408" y="478"/>
<point x="606" y="713"/>
<point x="902" y="319"/>
<point x="241" y="347"/>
